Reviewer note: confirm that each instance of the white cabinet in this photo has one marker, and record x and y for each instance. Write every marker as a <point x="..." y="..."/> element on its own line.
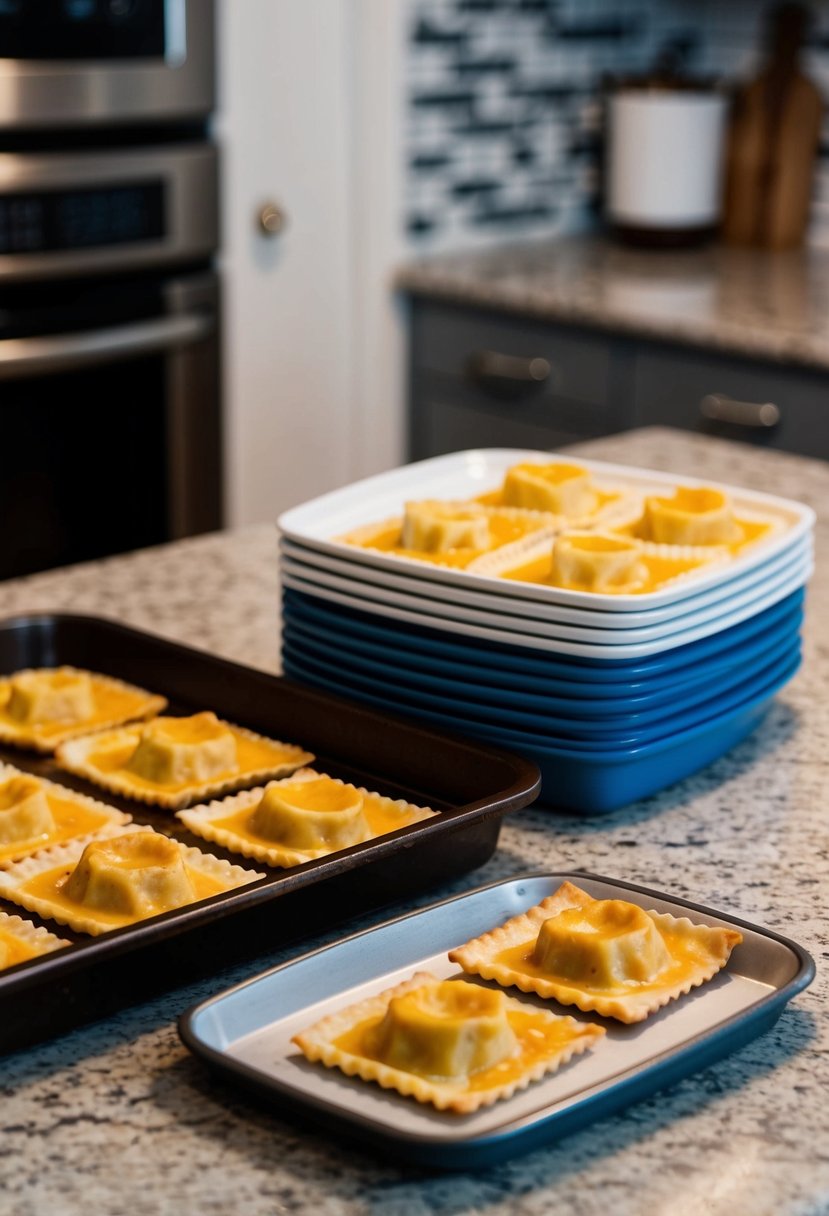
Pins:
<point x="305" y="310"/>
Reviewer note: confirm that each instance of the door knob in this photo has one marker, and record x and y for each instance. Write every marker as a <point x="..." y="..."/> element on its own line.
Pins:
<point x="271" y="219"/>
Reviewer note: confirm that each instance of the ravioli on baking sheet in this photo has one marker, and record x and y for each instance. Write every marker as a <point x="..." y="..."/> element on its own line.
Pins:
<point x="21" y="941"/>
<point x="35" y="813"/>
<point x="172" y="762"/>
<point x="450" y="1043"/>
<point x="603" y="955"/>
<point x="41" y="707"/>
<point x="304" y="816"/>
<point x="128" y="876"/>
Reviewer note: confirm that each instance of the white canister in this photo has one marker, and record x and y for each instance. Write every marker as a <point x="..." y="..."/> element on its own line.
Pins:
<point x="665" y="159"/>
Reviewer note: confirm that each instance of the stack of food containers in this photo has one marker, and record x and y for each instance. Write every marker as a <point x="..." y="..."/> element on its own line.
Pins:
<point x="620" y="627"/>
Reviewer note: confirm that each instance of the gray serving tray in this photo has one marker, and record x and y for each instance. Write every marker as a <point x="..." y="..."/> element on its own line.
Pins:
<point x="245" y="1032"/>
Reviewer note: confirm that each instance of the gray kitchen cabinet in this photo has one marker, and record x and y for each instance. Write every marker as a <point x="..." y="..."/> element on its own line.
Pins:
<point x="761" y="403"/>
<point x="490" y="380"/>
<point x="481" y="378"/>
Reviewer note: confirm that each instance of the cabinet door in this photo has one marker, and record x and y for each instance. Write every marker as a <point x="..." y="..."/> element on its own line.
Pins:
<point x="447" y="417"/>
<point x="487" y="379"/>
<point x="671" y="388"/>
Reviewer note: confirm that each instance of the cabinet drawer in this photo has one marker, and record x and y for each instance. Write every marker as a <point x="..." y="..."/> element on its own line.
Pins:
<point x="461" y="343"/>
<point x="447" y="415"/>
<point x="670" y="387"/>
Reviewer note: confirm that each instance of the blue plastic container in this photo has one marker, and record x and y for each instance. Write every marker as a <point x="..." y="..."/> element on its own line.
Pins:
<point x="575" y="716"/>
<point x="520" y="731"/>
<point x="596" y="782"/>
<point x="434" y="646"/>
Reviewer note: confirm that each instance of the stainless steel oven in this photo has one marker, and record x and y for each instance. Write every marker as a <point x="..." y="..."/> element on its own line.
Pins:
<point x="110" y="406"/>
<point x="74" y="63"/>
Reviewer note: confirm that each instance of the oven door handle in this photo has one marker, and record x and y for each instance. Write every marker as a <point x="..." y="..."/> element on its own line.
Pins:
<point x="37" y="356"/>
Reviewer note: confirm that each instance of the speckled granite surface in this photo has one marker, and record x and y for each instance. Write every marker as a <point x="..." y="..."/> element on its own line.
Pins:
<point x="118" y="1119"/>
<point x="770" y="306"/>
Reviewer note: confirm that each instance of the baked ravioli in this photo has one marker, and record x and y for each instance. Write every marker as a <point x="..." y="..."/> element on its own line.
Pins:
<point x="699" y="515"/>
<point x="450" y="1043"/>
<point x="35" y="813"/>
<point x="557" y="487"/>
<point x="117" y="880"/>
<point x="172" y="762"/>
<point x="603" y="955"/>
<point x="454" y="534"/>
<point x="304" y="816"/>
<point x="20" y="941"/>
<point x="41" y="707"/>
<point x="603" y="563"/>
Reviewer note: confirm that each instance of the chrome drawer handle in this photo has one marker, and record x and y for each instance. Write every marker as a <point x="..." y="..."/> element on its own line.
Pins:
<point x="507" y="369"/>
<point x="753" y="414"/>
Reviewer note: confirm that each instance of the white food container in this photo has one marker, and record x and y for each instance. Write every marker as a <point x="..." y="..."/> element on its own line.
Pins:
<point x="665" y="156"/>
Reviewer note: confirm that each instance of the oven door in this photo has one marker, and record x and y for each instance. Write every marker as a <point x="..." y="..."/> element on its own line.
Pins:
<point x="110" y="414"/>
<point x="99" y="62"/>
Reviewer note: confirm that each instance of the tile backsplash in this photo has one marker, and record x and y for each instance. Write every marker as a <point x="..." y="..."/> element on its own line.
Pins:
<point x="504" y="116"/>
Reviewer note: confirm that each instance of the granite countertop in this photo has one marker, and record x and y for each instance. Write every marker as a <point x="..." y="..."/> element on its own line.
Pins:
<point x="118" y="1119"/>
<point x="762" y="305"/>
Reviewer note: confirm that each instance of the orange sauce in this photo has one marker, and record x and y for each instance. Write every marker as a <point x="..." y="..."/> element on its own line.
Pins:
<point x="659" y="568"/>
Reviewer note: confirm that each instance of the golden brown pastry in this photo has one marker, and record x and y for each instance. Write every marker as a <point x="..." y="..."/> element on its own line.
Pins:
<point x="117" y="880"/>
<point x="35" y="813"/>
<point x="20" y="941"/>
<point x="42" y="707"/>
<point x="608" y="956"/>
<point x="172" y="762"/>
<point x="304" y="816"/>
<point x="453" y="1044"/>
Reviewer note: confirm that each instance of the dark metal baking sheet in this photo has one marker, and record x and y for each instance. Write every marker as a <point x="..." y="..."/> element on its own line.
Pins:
<point x="244" y="1033"/>
<point x="472" y="784"/>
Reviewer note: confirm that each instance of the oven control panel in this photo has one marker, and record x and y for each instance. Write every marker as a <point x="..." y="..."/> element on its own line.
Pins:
<point x="83" y="29"/>
<point x="51" y="220"/>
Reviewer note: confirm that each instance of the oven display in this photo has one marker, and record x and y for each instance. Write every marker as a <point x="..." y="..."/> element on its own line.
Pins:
<point x="83" y="29"/>
<point x="53" y="220"/>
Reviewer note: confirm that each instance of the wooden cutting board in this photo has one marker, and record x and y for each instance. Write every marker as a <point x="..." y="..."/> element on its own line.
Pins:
<point x="772" y="145"/>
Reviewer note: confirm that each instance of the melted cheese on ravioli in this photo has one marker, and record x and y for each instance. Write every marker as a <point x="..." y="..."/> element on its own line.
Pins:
<point x="692" y="516"/>
<point x="177" y="751"/>
<point x="251" y="755"/>
<point x="503" y="529"/>
<point x="606" y="944"/>
<point x="448" y="1042"/>
<point x="598" y="561"/>
<point x="123" y="880"/>
<point x="562" y="489"/>
<point x="318" y="814"/>
<point x="600" y="955"/>
<point x="439" y="527"/>
<point x="25" y="813"/>
<point x="39" y="698"/>
<point x="443" y="1029"/>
